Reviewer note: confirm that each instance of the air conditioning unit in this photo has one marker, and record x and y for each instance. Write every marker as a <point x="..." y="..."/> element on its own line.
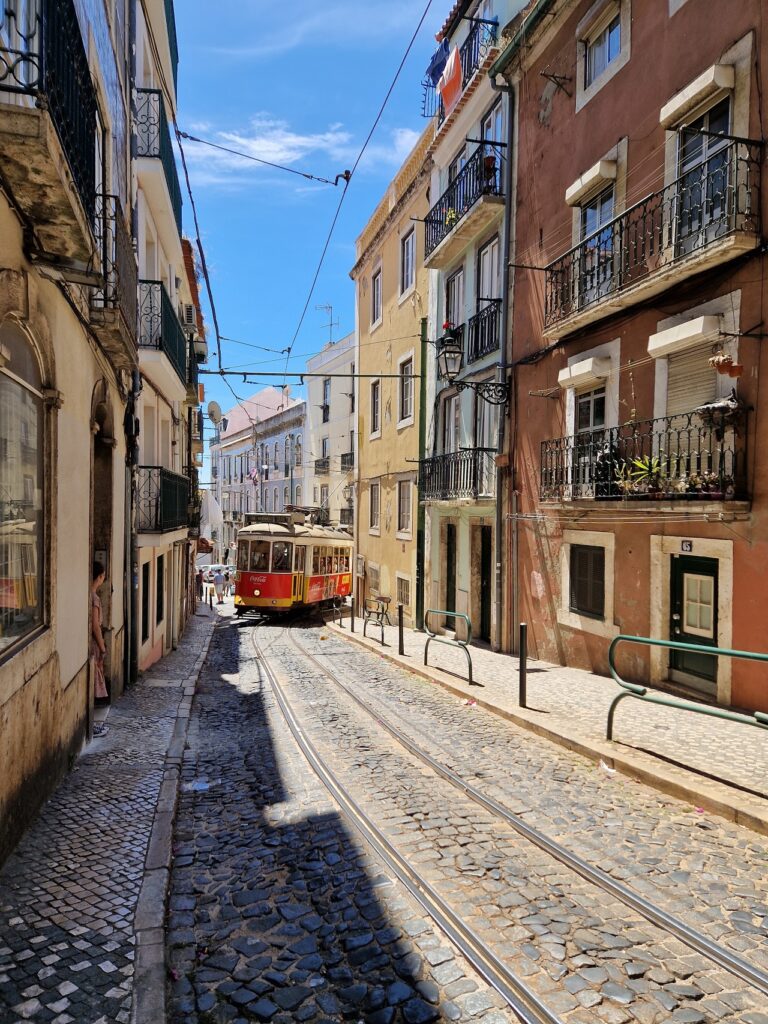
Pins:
<point x="189" y="316"/>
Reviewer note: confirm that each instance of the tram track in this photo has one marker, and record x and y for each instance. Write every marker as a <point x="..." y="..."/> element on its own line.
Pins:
<point x="695" y="940"/>
<point x="525" y="1003"/>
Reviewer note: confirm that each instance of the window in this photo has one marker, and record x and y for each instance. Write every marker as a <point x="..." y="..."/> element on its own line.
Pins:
<point x="406" y="390"/>
<point x="454" y="298"/>
<point x="597" y="253"/>
<point x="326" y="400"/>
<point x="374" y="579"/>
<point x="287" y="455"/>
<point x="703" y="183"/>
<point x="590" y="410"/>
<point x="298" y="494"/>
<point x="21" y="490"/>
<point x="376" y="298"/>
<point x="404" y="506"/>
<point x="403" y="591"/>
<point x="160" y="602"/>
<point x="286" y="498"/>
<point x="352" y="389"/>
<point x="407" y="261"/>
<point x="601" y="50"/>
<point x="375" y="406"/>
<point x="297" y="453"/>
<point x="282" y="554"/>
<point x="456" y="166"/>
<point x="324" y="496"/>
<point x="325" y="447"/>
<point x="374" y="497"/>
<point x="587" y="581"/>
<point x="145" y="602"/>
<point x="276" y="499"/>
<point x="451" y="424"/>
<point x="276" y="461"/>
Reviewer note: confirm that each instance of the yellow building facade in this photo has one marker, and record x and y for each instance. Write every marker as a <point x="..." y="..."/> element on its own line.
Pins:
<point x="391" y="301"/>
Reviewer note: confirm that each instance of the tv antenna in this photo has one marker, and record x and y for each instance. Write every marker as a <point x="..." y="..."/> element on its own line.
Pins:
<point x="331" y="322"/>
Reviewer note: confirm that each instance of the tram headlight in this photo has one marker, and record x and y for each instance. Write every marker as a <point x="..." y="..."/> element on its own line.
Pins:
<point x="256" y="593"/>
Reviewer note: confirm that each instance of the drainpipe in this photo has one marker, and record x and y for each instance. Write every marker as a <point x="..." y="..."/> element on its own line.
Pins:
<point x="419" y="504"/>
<point x="502" y="368"/>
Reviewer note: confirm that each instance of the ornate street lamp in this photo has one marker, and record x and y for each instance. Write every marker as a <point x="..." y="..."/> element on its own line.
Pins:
<point x="450" y="358"/>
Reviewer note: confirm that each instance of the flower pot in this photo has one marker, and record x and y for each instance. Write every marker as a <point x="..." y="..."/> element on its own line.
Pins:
<point x="735" y="370"/>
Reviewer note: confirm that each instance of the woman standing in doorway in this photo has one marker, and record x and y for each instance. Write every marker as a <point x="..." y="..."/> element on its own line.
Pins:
<point x="98" y="648"/>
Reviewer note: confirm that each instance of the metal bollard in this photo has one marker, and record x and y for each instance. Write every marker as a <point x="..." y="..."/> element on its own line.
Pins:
<point x="210" y="598"/>
<point x="400" y="640"/>
<point x="522" y="695"/>
<point x="352" y="613"/>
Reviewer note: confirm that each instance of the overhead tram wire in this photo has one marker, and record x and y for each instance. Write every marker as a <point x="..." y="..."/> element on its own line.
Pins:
<point x="259" y="160"/>
<point x="349" y="175"/>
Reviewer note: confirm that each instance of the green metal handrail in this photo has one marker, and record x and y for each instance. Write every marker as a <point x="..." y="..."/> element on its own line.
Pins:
<point x="758" y="718"/>
<point x="432" y="635"/>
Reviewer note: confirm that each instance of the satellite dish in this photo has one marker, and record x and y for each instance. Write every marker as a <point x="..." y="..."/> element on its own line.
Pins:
<point x="214" y="413"/>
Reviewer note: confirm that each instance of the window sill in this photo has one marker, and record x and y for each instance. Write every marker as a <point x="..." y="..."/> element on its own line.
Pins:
<point x="375" y="436"/>
<point x="376" y="325"/>
<point x="404" y="296"/>
<point x="407" y="422"/>
<point x="404" y="535"/>
<point x="374" y="531"/>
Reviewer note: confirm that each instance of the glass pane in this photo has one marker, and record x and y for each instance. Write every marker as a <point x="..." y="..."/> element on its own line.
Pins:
<point x="259" y="555"/>
<point x="281" y="556"/>
<point x="691" y="615"/>
<point x="614" y="39"/>
<point x="598" y="411"/>
<point x="705" y="591"/>
<point x="243" y="554"/>
<point x="705" y="617"/>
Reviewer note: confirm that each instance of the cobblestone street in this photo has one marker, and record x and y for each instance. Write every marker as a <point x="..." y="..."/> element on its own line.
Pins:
<point x="69" y="892"/>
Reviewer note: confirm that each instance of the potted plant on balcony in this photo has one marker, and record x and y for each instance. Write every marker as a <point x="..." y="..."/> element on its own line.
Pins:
<point x="721" y="362"/>
<point x="489" y="170"/>
<point x="646" y="474"/>
<point x="451" y="217"/>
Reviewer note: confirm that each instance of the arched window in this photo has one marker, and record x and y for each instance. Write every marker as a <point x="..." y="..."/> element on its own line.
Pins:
<point x="21" y="489"/>
<point x="297" y="451"/>
<point x="286" y="455"/>
<point x="277" y="498"/>
<point x="266" y="499"/>
<point x="276" y="460"/>
<point x="298" y="494"/>
<point x="286" y="499"/>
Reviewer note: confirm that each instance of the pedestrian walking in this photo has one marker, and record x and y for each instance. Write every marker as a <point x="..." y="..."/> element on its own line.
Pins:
<point x="218" y="586"/>
<point x="226" y="584"/>
<point x="98" y="648"/>
<point x="199" y="584"/>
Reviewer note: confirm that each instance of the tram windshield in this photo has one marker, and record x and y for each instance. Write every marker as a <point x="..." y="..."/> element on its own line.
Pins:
<point x="281" y="556"/>
<point x="259" y="556"/>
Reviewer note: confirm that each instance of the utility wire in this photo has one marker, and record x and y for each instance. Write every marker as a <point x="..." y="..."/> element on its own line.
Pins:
<point x="259" y="160"/>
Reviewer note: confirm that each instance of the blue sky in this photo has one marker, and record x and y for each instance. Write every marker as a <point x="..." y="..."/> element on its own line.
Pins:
<point x="298" y="85"/>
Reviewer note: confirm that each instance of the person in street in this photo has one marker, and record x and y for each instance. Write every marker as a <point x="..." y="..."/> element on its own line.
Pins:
<point x="199" y="584"/>
<point x="97" y="646"/>
<point x="218" y="586"/>
<point x="226" y="584"/>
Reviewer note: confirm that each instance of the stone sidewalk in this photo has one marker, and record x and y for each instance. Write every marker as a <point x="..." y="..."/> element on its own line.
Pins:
<point x="707" y="761"/>
<point x="83" y="895"/>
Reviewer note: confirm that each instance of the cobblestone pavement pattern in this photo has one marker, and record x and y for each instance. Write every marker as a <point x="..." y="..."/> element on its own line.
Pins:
<point x="277" y="911"/>
<point x="68" y="892"/>
<point x="576" y="946"/>
<point x="575" y="703"/>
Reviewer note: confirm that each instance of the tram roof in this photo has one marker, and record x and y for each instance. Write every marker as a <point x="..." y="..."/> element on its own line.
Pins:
<point x="294" y="530"/>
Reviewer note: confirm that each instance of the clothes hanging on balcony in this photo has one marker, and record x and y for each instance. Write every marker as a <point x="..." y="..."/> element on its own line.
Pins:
<point x="438" y="62"/>
<point x="450" y="84"/>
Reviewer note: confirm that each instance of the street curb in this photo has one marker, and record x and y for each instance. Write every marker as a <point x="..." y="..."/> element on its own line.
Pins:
<point x="149" y="976"/>
<point x="719" y="798"/>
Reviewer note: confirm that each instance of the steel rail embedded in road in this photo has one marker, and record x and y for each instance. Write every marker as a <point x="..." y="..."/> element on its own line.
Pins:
<point x="521" y="999"/>
<point x="732" y="962"/>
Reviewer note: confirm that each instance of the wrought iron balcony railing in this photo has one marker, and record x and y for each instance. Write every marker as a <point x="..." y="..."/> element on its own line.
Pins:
<point x="42" y="55"/>
<point x="484" y="331"/>
<point x="465" y="474"/>
<point x="162" y="500"/>
<point x="480" y="176"/>
<point x="159" y="326"/>
<point x="322" y="465"/>
<point x="347" y="461"/>
<point x="473" y="51"/>
<point x="154" y="140"/>
<point x="120" y="291"/>
<point x="346" y="516"/>
<point x="690" y="456"/>
<point x="715" y="199"/>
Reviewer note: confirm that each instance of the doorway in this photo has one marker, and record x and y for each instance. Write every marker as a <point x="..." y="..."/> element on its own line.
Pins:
<point x="101" y="525"/>
<point x="693" y="620"/>
<point x="486" y="577"/>
<point x="450" y="570"/>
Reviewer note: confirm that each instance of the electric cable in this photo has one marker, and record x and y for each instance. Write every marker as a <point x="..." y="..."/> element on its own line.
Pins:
<point x="259" y="160"/>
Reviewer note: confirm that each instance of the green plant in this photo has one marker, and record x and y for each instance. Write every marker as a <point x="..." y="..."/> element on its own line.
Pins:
<point x="646" y="472"/>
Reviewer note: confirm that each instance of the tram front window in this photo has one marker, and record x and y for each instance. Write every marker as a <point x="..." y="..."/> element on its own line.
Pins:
<point x="242" y="555"/>
<point x="281" y="556"/>
<point x="259" y="555"/>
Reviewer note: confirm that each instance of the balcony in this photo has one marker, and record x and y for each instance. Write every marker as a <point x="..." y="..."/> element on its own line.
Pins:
<point x="468" y="474"/>
<point x="473" y="52"/>
<point x="484" y="331"/>
<point x="170" y="24"/>
<point x="160" y="329"/>
<point x="322" y="466"/>
<point x="346" y="516"/>
<point x="347" y="461"/>
<point x="114" y="308"/>
<point x="694" y="456"/>
<point x="162" y="500"/>
<point x="154" y="142"/>
<point x="466" y="208"/>
<point x="707" y="216"/>
<point x="48" y="124"/>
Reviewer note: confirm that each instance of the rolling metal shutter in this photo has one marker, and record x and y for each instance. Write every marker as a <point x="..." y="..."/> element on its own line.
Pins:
<point x="692" y="381"/>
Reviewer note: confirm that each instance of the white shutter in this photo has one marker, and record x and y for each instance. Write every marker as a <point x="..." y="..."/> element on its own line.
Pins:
<point x="691" y="382"/>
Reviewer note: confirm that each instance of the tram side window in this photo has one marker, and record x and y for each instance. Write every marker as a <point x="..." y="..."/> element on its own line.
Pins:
<point x="259" y="555"/>
<point x="335" y="560"/>
<point x="281" y="556"/>
<point x="242" y="555"/>
<point x="316" y="561"/>
<point x="298" y="558"/>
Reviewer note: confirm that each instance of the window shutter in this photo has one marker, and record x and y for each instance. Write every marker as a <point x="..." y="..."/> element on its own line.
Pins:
<point x="691" y="382"/>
